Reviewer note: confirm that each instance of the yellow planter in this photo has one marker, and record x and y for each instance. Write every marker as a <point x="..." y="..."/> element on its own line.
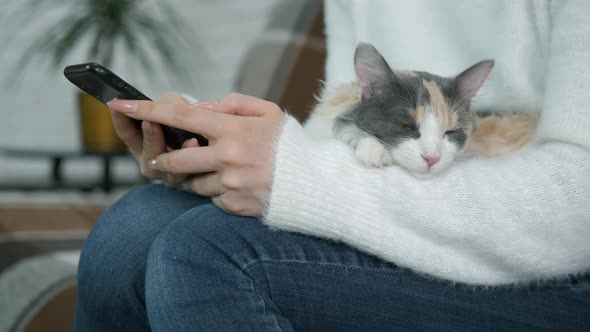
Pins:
<point x="97" y="130"/>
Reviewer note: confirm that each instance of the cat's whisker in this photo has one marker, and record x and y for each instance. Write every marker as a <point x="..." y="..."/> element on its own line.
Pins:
<point x="405" y="99"/>
<point x="454" y="106"/>
<point x="359" y="125"/>
<point x="464" y="155"/>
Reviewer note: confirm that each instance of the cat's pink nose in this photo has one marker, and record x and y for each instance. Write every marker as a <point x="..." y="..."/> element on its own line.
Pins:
<point x="430" y="161"/>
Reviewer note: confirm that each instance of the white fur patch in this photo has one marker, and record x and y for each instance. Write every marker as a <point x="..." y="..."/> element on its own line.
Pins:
<point x="372" y="153"/>
<point x="431" y="135"/>
<point x="368" y="150"/>
<point x="350" y="135"/>
<point x="432" y="143"/>
<point x="333" y="102"/>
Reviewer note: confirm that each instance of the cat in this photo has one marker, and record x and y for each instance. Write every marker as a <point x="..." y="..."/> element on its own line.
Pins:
<point x="417" y="120"/>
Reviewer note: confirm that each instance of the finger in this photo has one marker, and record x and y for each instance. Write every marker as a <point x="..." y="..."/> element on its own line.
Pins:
<point x="207" y="184"/>
<point x="128" y="132"/>
<point x="189" y="160"/>
<point x="180" y="116"/>
<point x="153" y="145"/>
<point x="234" y="203"/>
<point x="172" y="98"/>
<point x="217" y="201"/>
<point x="174" y="179"/>
<point x="189" y="143"/>
<point x="244" y="105"/>
<point x="153" y="140"/>
<point x="210" y="105"/>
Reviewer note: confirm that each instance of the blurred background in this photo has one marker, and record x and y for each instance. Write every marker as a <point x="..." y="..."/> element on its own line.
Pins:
<point x="61" y="165"/>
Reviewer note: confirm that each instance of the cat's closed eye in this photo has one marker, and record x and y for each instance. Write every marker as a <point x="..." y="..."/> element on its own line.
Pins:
<point x="408" y="126"/>
<point x="452" y="132"/>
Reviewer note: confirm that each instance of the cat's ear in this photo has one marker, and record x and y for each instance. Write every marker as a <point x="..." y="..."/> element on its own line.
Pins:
<point x="373" y="74"/>
<point x="471" y="79"/>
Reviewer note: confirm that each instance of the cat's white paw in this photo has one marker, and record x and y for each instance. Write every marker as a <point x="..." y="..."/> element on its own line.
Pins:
<point x="372" y="153"/>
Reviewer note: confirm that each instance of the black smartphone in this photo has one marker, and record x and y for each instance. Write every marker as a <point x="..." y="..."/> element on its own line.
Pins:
<point x="104" y="85"/>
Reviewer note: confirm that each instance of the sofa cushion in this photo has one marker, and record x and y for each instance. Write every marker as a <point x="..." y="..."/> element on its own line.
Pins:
<point x="286" y="64"/>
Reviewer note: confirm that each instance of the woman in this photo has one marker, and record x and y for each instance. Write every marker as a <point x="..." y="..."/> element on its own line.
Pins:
<point x="409" y="251"/>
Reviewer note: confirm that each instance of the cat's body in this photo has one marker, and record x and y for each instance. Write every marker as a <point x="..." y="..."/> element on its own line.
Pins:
<point x="417" y="120"/>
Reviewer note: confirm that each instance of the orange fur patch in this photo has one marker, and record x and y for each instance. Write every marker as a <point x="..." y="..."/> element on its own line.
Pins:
<point x="443" y="112"/>
<point x="499" y="135"/>
<point x="419" y="113"/>
<point x="439" y="105"/>
<point x="338" y="99"/>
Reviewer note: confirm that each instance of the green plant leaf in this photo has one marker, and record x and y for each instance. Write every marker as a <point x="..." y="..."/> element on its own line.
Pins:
<point x="178" y="23"/>
<point x="150" y="29"/>
<point x="66" y="43"/>
<point x="130" y="39"/>
<point x="43" y="45"/>
<point x="95" y="45"/>
<point x="106" y="25"/>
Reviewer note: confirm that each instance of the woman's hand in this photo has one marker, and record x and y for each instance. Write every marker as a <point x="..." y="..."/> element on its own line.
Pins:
<point x="148" y="142"/>
<point x="236" y="168"/>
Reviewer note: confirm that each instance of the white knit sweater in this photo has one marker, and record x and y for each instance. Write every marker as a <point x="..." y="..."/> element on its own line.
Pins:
<point x="521" y="217"/>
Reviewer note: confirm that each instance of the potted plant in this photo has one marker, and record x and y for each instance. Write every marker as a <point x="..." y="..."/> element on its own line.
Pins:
<point x="106" y="25"/>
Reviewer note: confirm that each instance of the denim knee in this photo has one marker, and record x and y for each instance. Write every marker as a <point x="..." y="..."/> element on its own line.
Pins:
<point x="112" y="264"/>
<point x="196" y="270"/>
<point x="206" y="233"/>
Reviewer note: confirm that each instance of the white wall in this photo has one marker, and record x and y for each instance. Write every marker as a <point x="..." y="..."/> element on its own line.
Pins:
<point x="39" y="112"/>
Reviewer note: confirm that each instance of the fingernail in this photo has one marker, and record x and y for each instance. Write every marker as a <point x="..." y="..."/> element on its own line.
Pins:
<point x="188" y="143"/>
<point x="208" y="105"/>
<point x="192" y="143"/>
<point x="146" y="126"/>
<point x="152" y="164"/>
<point x="123" y="106"/>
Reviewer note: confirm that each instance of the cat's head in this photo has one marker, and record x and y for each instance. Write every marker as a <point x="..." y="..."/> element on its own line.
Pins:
<point x="424" y="120"/>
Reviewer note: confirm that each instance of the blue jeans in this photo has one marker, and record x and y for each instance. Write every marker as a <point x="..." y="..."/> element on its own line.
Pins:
<point x="165" y="260"/>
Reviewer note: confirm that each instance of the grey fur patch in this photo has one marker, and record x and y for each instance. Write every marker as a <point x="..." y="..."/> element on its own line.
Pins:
<point x="387" y="118"/>
<point x="393" y="101"/>
<point x="458" y="137"/>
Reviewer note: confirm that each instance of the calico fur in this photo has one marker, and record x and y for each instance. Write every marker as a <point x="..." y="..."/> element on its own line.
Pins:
<point x="367" y="114"/>
<point x="496" y="134"/>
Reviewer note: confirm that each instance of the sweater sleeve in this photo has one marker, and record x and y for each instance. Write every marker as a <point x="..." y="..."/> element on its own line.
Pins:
<point x="524" y="216"/>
